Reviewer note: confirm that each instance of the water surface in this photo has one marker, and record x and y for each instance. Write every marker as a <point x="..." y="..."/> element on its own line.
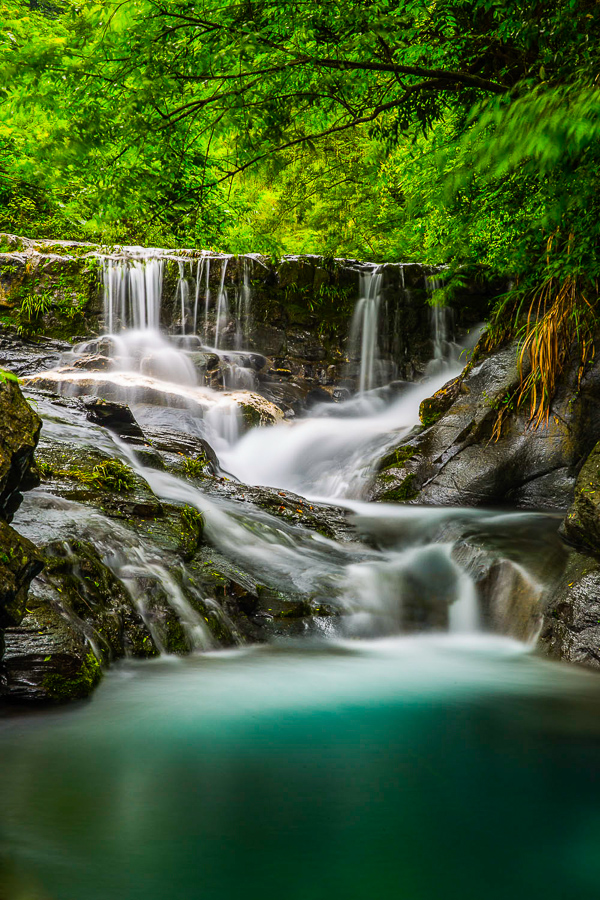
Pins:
<point x="416" y="768"/>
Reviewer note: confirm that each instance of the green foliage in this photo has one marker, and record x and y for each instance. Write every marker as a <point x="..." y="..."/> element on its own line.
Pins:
<point x="460" y="132"/>
<point x="192" y="528"/>
<point x="194" y="467"/>
<point x="7" y="376"/>
<point x="35" y="305"/>
<point x="110" y="476"/>
<point x="113" y="476"/>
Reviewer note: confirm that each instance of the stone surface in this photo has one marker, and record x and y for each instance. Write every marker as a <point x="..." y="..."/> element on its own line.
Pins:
<point x="19" y="562"/>
<point x="299" y="315"/>
<point x="571" y="630"/>
<point x="582" y="523"/>
<point x="19" y="432"/>
<point x="462" y="459"/>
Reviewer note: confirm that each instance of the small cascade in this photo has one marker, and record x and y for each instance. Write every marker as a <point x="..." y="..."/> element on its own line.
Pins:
<point x="132" y="310"/>
<point x="183" y="292"/>
<point x="364" y="329"/>
<point x="243" y="306"/>
<point x="132" y="293"/>
<point x="441" y="333"/>
<point x="199" y="273"/>
<point x="206" y="300"/>
<point x="222" y="306"/>
<point x="445" y="349"/>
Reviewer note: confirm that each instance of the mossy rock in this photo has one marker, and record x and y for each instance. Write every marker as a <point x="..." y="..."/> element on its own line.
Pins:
<point x="396" y="458"/>
<point x="20" y="561"/>
<point x="433" y="408"/>
<point x="74" y="686"/>
<point x="19" y="432"/>
<point x="582" y="522"/>
<point x="407" y="490"/>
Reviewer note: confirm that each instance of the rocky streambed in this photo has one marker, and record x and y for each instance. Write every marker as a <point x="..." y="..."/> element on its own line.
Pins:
<point x="161" y="511"/>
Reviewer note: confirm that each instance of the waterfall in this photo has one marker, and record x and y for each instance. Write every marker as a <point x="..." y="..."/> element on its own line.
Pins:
<point x="222" y="306"/>
<point x="206" y="299"/>
<point x="243" y="306"/>
<point x="132" y="309"/>
<point x="184" y="292"/>
<point x="441" y="321"/>
<point x="364" y="329"/>
<point x="199" y="273"/>
<point x="132" y="293"/>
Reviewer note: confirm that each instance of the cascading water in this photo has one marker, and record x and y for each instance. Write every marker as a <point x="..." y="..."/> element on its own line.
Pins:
<point x="243" y="766"/>
<point x="327" y="456"/>
<point x="364" y="329"/>
<point x="243" y="306"/>
<point x="183" y="290"/>
<point x="132" y="293"/>
<point x="222" y="315"/>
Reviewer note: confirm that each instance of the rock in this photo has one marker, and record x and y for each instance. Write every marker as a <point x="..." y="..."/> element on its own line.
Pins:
<point x="116" y="417"/>
<point x="19" y="432"/>
<point x="511" y="601"/>
<point x="571" y="629"/>
<point x="45" y="658"/>
<point x="318" y="395"/>
<point x="94" y="477"/>
<point x="464" y="458"/>
<point x="257" y="411"/>
<point x="24" y="357"/>
<point x="93" y="363"/>
<point x="145" y="392"/>
<point x="19" y="563"/>
<point x="582" y="523"/>
<point x="552" y="491"/>
<point x="433" y="408"/>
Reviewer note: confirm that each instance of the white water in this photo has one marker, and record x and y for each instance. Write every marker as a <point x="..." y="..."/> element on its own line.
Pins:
<point x="222" y="306"/>
<point x="327" y="456"/>
<point x="364" y="330"/>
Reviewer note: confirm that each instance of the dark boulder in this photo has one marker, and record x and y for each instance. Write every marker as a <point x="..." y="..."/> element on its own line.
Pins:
<point x="482" y="452"/>
<point x="115" y="416"/>
<point x="19" y="433"/>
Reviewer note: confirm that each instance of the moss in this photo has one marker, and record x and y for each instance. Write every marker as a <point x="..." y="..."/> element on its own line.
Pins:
<point x="175" y="638"/>
<point x="62" y="688"/>
<point x="111" y="476"/>
<point x="251" y="416"/>
<point x="406" y="490"/>
<point x="397" y="458"/>
<point x="192" y="528"/>
<point x="429" y="412"/>
<point x="195" y="466"/>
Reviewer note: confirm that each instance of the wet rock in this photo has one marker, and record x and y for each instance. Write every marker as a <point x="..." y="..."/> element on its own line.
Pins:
<point x="93" y="363"/>
<point x="471" y="457"/>
<point x="510" y="600"/>
<point x="116" y="417"/>
<point x="582" y="523"/>
<point x="19" y="563"/>
<point x="318" y="395"/>
<point x="552" y="491"/>
<point x="94" y="477"/>
<point x="572" y="622"/>
<point x="571" y="629"/>
<point x="433" y="408"/>
<point x="45" y="659"/>
<point x="257" y="411"/>
<point x="24" y="357"/>
<point x="19" y="432"/>
<point x="78" y="618"/>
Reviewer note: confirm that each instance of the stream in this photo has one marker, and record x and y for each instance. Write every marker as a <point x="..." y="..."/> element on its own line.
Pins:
<point x="413" y="747"/>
